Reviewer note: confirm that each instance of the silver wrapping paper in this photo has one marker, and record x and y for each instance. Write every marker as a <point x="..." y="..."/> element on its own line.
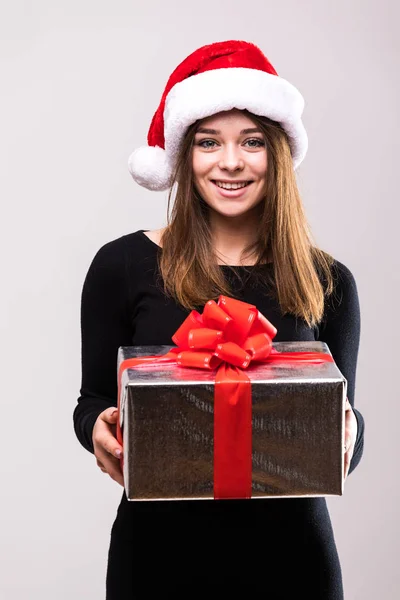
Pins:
<point x="167" y="424"/>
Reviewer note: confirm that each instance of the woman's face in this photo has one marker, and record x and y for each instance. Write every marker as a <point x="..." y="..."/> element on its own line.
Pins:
<point x="225" y="153"/>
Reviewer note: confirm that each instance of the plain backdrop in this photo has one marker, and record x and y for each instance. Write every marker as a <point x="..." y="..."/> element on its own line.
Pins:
<point x="80" y="82"/>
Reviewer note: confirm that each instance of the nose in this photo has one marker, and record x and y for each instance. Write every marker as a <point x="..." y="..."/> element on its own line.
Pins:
<point x="231" y="159"/>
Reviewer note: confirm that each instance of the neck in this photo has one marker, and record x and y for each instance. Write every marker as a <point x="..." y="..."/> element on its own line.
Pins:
<point x="231" y="236"/>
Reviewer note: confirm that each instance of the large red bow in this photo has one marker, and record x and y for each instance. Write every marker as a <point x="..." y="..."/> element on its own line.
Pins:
<point x="229" y="331"/>
<point x="229" y="335"/>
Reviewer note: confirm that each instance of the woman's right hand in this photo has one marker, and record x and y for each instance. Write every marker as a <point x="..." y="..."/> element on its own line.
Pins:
<point x="106" y="445"/>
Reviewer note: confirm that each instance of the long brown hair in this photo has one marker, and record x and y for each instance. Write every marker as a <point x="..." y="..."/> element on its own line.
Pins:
<point x="302" y="275"/>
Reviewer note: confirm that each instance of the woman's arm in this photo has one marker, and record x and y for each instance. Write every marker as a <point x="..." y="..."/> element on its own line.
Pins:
<point x="105" y="325"/>
<point x="340" y="330"/>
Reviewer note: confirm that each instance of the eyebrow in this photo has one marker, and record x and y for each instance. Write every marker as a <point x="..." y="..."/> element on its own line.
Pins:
<point x="216" y="132"/>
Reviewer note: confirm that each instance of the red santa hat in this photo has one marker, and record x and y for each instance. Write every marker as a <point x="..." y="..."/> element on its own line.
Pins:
<point x="217" y="77"/>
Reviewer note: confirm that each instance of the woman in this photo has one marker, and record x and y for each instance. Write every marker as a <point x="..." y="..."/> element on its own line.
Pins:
<point x="228" y="133"/>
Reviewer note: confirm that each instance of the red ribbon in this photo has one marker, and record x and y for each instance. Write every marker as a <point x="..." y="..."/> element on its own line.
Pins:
<point x="227" y="336"/>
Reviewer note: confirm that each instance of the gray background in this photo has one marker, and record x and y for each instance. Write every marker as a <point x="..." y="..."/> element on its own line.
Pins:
<point x="80" y="82"/>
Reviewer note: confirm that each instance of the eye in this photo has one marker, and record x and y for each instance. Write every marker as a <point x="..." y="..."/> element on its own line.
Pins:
<point x="258" y="143"/>
<point x="204" y="142"/>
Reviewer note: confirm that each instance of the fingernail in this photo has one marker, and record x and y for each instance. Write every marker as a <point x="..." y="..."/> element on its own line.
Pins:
<point x="114" y="412"/>
<point x="118" y="453"/>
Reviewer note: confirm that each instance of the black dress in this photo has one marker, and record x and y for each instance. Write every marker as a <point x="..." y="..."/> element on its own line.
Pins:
<point x="275" y="548"/>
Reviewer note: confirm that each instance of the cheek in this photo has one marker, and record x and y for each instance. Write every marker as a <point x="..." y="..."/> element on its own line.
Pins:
<point x="260" y="165"/>
<point x="196" y="164"/>
<point x="201" y="164"/>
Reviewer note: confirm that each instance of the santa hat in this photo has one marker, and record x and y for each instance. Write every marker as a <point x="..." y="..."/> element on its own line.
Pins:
<point x="217" y="77"/>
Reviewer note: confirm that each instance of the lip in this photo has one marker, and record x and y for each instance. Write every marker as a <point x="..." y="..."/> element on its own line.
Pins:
<point x="232" y="193"/>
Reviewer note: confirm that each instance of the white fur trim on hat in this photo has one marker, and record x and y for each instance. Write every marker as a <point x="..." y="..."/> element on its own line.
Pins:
<point x="211" y="92"/>
<point x="150" y="168"/>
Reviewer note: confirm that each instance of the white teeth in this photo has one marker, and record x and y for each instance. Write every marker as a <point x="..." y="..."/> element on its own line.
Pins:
<point x="231" y="186"/>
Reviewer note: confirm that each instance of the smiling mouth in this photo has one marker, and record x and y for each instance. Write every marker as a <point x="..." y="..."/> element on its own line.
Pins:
<point x="231" y="193"/>
<point x="214" y="181"/>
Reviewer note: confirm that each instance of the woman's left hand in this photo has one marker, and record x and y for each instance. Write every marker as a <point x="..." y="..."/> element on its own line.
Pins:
<point x="350" y="436"/>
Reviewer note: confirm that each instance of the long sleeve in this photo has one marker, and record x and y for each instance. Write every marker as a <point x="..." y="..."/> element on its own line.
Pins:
<point x="105" y="325"/>
<point x="341" y="332"/>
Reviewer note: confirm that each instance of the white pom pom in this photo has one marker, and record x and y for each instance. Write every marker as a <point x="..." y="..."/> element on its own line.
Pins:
<point x="150" y="168"/>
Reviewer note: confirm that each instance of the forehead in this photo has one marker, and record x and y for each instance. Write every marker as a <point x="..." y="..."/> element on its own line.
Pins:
<point x="230" y="118"/>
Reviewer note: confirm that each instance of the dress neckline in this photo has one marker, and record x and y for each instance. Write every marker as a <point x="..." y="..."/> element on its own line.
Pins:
<point x="142" y="231"/>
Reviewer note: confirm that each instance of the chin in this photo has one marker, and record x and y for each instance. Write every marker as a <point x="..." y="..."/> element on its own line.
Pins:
<point x="242" y="212"/>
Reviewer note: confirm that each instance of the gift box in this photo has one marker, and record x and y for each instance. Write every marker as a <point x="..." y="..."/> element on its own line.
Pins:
<point x="287" y="441"/>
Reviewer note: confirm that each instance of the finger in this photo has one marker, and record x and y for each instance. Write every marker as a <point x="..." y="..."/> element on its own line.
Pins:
<point x="346" y="465"/>
<point x="350" y="432"/>
<point x="351" y="452"/>
<point x="109" y="464"/>
<point x="348" y="452"/>
<point x="117" y="476"/>
<point x="347" y="442"/>
<point x="115" y="473"/>
<point x="110" y="415"/>
<point x="347" y="459"/>
<point x="112" y="466"/>
<point x="112" y="446"/>
<point x="107" y="446"/>
<point x="101" y="466"/>
<point x="348" y="405"/>
<point x="105" y="441"/>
